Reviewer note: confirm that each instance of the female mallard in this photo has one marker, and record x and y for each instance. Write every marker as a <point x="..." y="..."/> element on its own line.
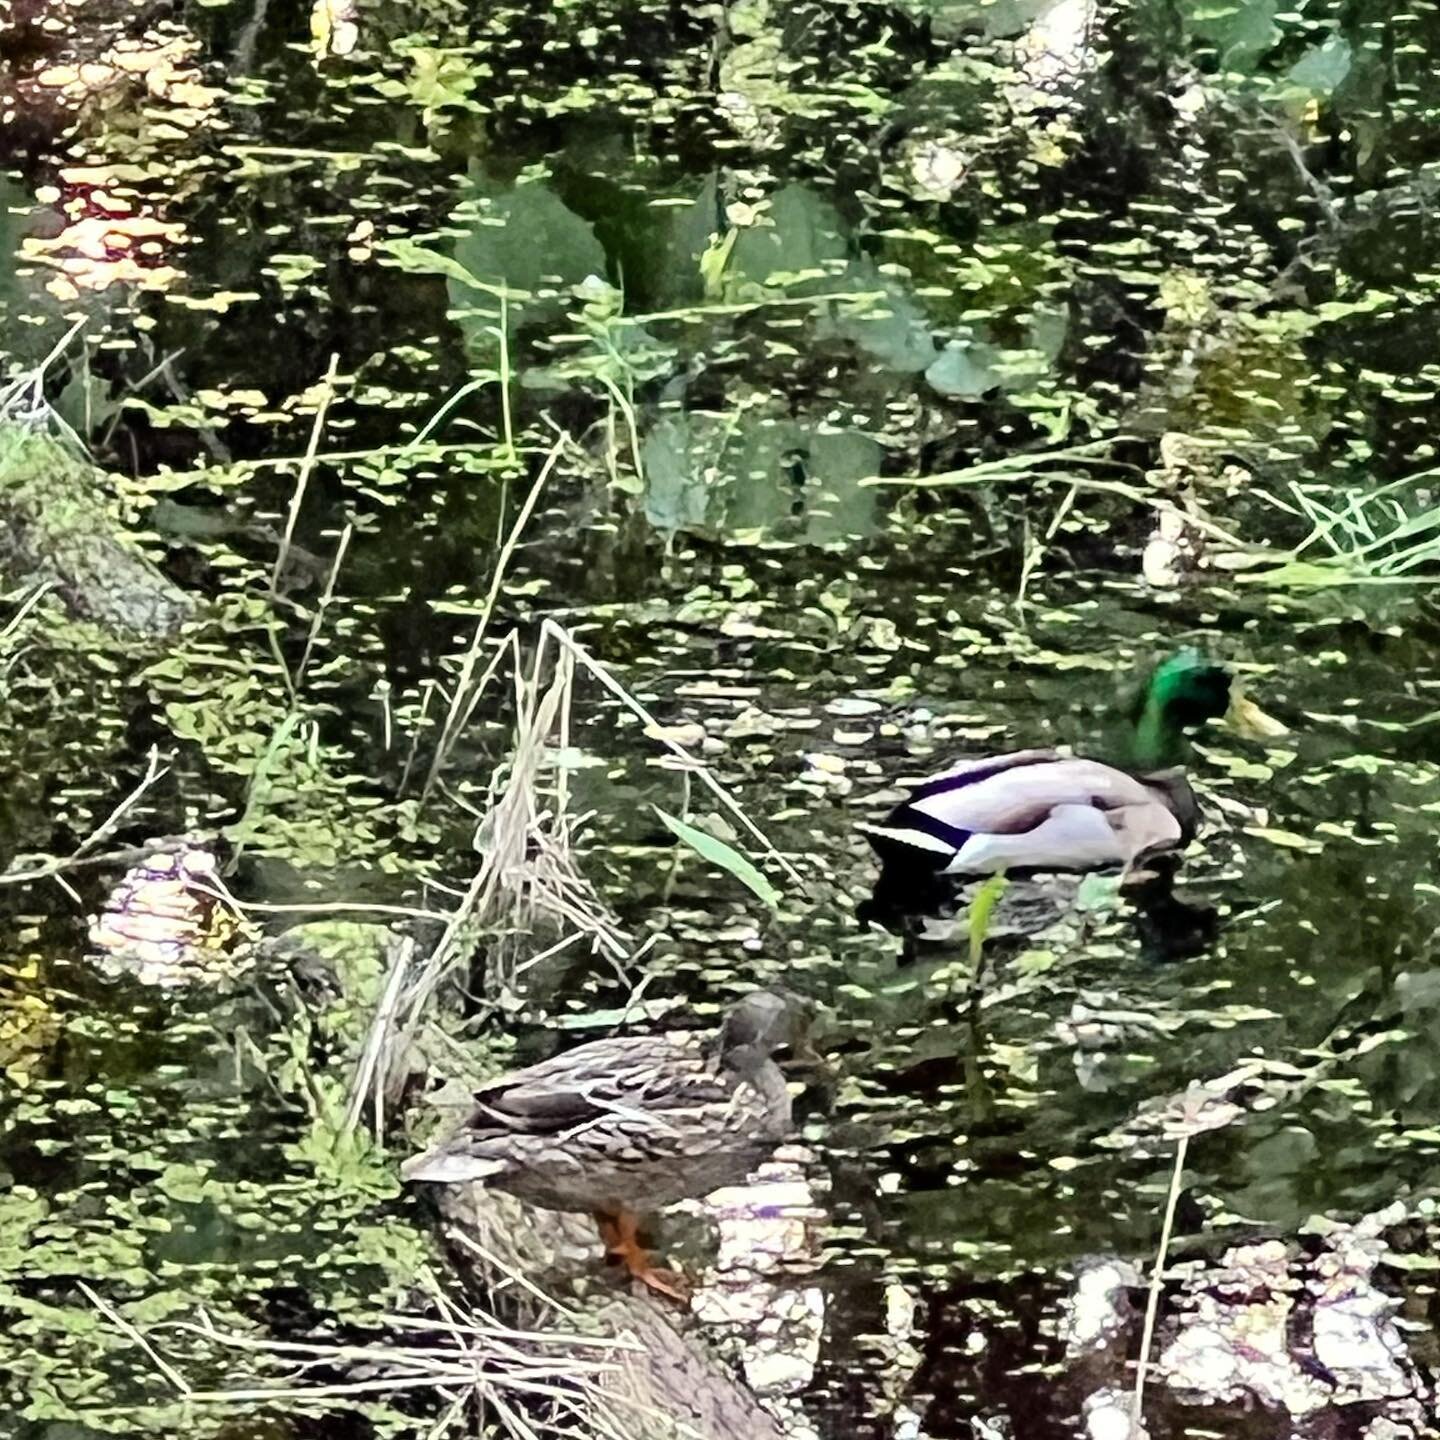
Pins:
<point x="627" y="1125"/>
<point x="1036" y="810"/>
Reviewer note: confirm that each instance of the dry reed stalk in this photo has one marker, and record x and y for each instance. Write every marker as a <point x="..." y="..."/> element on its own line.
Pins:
<point x="1157" y="1280"/>
<point x="527" y="878"/>
<point x="302" y="480"/>
<point x="467" y="693"/>
<point x="695" y="766"/>
<point x="541" y="1383"/>
<point x="371" y="1076"/>
<point x="324" y="602"/>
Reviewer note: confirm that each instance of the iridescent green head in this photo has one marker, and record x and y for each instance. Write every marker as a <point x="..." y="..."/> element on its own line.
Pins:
<point x="1182" y="693"/>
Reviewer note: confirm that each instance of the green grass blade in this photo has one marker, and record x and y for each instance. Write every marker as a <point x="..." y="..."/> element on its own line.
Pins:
<point x="717" y="852"/>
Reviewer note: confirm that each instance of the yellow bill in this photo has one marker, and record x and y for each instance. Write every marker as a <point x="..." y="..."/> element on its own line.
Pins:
<point x="1248" y="720"/>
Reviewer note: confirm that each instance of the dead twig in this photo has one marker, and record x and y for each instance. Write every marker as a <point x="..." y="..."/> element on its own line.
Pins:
<point x="154" y="773"/>
<point x="538" y="1382"/>
<point x="369" y="1071"/>
<point x="307" y="464"/>
<point x="467" y="697"/>
<point x="1157" y="1280"/>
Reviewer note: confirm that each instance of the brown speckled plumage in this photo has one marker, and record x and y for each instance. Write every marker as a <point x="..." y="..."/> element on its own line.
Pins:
<point x="628" y="1124"/>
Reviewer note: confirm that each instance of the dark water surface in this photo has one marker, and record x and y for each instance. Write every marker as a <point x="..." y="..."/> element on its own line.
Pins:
<point x="1225" y="236"/>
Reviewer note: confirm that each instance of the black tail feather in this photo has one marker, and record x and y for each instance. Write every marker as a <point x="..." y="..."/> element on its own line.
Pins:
<point x="904" y="891"/>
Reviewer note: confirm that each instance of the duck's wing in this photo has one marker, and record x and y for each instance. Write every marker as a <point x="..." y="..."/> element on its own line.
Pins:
<point x="934" y="818"/>
<point x="1148" y="829"/>
<point x="606" y="1091"/>
<point x="606" y="1077"/>
<point x="966" y="773"/>
<point x="1019" y="797"/>
<point x="635" y="1121"/>
<point x="1174" y="791"/>
<point x="1072" y="837"/>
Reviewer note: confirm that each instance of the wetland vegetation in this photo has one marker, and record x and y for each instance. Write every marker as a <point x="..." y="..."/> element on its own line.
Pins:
<point x="494" y="494"/>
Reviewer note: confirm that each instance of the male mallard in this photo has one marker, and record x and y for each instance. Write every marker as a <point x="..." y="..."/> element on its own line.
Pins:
<point x="1038" y="811"/>
<point x="627" y="1125"/>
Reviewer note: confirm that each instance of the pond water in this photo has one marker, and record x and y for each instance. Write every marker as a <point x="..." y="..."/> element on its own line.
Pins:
<point x="701" y="272"/>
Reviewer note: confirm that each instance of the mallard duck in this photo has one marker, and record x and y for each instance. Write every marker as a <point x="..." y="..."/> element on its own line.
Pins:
<point x="1039" y="811"/>
<point x="624" y="1126"/>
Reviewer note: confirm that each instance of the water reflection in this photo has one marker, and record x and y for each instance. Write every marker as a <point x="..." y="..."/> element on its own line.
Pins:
<point x="764" y="255"/>
<point x="770" y="1233"/>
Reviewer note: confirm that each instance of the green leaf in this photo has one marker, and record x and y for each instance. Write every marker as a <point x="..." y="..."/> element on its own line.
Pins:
<point x="529" y="241"/>
<point x="677" y="490"/>
<point x="420" y="260"/>
<point x="1321" y="70"/>
<point x="85" y="404"/>
<point x="895" y="330"/>
<point x="839" y="461"/>
<point x="1242" y="32"/>
<point x="1048" y="327"/>
<point x="717" y="852"/>
<point x="803" y="236"/>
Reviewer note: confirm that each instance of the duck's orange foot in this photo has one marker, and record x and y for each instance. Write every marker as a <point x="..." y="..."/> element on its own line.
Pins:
<point x="1134" y="879"/>
<point x="621" y="1235"/>
<point x="666" y="1282"/>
